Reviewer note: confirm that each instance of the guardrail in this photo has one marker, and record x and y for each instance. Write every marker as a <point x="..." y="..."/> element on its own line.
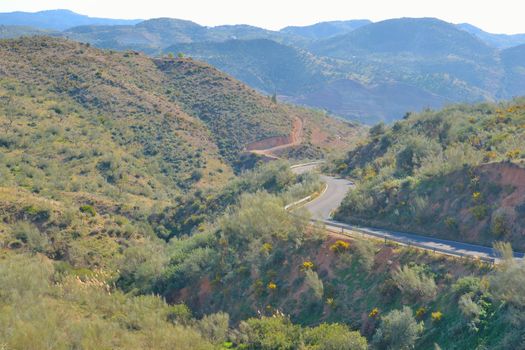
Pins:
<point x="400" y="240"/>
<point x="307" y="164"/>
<point x="300" y="201"/>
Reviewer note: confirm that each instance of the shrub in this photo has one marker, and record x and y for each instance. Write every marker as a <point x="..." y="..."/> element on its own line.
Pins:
<point x="333" y="337"/>
<point x="470" y="310"/>
<point x="413" y="281"/>
<point x="315" y="284"/>
<point x="340" y="246"/>
<point x="31" y="236"/>
<point x="499" y="223"/>
<point x="308" y="265"/>
<point x="214" y="327"/>
<point x="37" y="214"/>
<point x="399" y="330"/>
<point x="364" y="253"/>
<point x="421" y="312"/>
<point x="436" y="316"/>
<point x="272" y="333"/>
<point x="374" y="312"/>
<point x="468" y="284"/>
<point x="88" y="209"/>
<point x="479" y="211"/>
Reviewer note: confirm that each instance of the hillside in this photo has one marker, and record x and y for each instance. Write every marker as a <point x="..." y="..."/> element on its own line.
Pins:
<point x="261" y="63"/>
<point x="325" y="30"/>
<point x="419" y="36"/>
<point x="513" y="60"/>
<point x="358" y="70"/>
<point x="456" y="173"/>
<point x="154" y="35"/>
<point x="500" y="41"/>
<point x="124" y="226"/>
<point x="163" y="125"/>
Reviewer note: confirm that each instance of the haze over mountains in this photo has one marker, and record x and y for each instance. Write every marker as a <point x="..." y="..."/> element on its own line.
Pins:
<point x="356" y="69"/>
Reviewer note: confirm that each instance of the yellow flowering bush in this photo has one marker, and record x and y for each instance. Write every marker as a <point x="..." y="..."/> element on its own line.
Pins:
<point x="436" y="316"/>
<point x="340" y="246"/>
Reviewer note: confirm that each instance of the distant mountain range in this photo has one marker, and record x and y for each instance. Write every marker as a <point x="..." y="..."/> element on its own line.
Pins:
<point x="356" y="69"/>
<point x="58" y="19"/>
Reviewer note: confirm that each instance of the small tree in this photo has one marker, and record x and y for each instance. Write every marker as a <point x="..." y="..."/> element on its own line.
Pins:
<point x="399" y="330"/>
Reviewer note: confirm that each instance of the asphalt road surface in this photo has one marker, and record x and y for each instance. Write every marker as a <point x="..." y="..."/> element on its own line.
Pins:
<point x="323" y="206"/>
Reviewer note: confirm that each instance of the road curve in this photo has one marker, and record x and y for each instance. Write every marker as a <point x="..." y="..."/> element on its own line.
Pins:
<point x="323" y="206"/>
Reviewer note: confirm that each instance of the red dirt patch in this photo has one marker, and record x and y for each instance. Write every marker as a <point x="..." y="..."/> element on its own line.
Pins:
<point x="268" y="146"/>
<point x="508" y="174"/>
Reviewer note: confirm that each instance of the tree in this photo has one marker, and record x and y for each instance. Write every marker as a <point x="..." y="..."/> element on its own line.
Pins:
<point x="334" y="336"/>
<point x="399" y="330"/>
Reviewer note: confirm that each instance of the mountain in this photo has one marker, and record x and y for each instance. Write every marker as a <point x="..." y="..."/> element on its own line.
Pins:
<point x="261" y="63"/>
<point x="155" y="35"/>
<point x="377" y="72"/>
<point x="500" y="41"/>
<point x="415" y="36"/>
<point x="370" y="72"/>
<point x="325" y="30"/>
<point x="513" y="60"/>
<point x="57" y="19"/>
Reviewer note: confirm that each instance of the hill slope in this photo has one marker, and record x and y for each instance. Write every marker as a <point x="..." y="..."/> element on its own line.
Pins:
<point x="261" y="63"/>
<point x="177" y="121"/>
<point x="457" y="173"/>
<point x="325" y="30"/>
<point x="500" y="41"/>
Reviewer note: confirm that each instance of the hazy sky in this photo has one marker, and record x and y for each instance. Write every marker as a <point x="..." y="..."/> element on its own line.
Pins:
<point x="501" y="16"/>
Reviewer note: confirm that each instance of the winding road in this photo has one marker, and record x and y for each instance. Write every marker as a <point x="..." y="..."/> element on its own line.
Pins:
<point x="323" y="206"/>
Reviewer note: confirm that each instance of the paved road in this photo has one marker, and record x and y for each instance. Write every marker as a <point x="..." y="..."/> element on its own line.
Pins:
<point x="322" y="207"/>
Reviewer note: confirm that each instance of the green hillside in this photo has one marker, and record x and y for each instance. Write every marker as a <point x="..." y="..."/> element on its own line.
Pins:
<point x="456" y="173"/>
<point x="263" y="64"/>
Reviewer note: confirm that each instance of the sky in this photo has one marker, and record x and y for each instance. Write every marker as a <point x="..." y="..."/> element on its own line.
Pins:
<point x="501" y="16"/>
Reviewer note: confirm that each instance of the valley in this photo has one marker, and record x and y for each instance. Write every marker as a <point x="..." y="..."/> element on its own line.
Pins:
<point x="170" y="185"/>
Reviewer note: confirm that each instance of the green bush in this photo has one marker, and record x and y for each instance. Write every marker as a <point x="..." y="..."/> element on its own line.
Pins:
<point x="88" y="209"/>
<point x="31" y="236"/>
<point x="399" y="330"/>
<point x="333" y="337"/>
<point x="415" y="282"/>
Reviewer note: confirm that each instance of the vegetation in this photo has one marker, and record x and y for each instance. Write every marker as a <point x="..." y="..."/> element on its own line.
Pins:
<point x="456" y="173"/>
<point x="123" y="224"/>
